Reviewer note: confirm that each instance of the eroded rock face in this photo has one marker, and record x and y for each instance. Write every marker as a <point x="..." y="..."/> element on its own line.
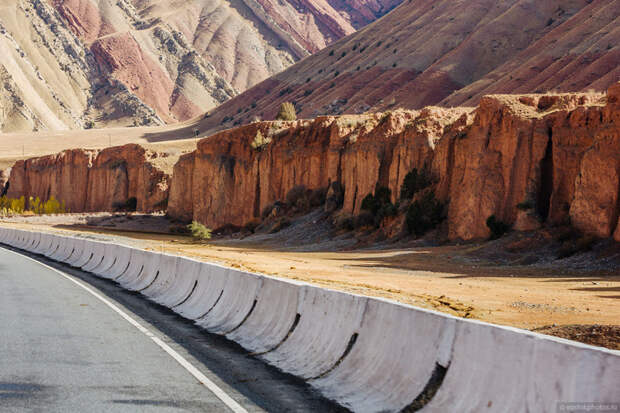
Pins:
<point x="63" y="175"/>
<point x="529" y="160"/>
<point x="88" y="180"/>
<point x="4" y="178"/>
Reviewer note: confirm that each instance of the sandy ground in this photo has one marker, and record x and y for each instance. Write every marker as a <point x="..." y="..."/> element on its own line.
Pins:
<point x="441" y="278"/>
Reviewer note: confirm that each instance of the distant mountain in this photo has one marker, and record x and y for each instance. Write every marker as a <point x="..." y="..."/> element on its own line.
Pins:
<point x="446" y="52"/>
<point x="70" y="64"/>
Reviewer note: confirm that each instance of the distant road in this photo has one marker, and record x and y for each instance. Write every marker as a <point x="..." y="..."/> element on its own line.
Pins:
<point x="72" y="343"/>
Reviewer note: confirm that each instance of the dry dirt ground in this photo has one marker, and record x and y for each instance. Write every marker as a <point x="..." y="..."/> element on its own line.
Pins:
<point x="559" y="299"/>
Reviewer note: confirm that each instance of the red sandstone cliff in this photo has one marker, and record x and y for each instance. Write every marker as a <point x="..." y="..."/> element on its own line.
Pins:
<point x="556" y="155"/>
<point x="88" y="180"/>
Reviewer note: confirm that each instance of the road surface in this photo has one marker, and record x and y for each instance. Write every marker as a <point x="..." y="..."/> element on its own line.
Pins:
<point x="70" y="342"/>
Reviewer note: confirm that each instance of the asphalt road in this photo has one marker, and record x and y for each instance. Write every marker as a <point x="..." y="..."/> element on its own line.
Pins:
<point x="66" y="349"/>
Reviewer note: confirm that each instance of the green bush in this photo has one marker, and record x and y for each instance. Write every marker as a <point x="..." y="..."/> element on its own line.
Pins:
<point x="498" y="228"/>
<point x="424" y="214"/>
<point x="379" y="205"/>
<point x="414" y="181"/>
<point x="286" y="112"/>
<point x="53" y="206"/>
<point x="199" y="231"/>
<point x="11" y="206"/>
<point x="260" y="141"/>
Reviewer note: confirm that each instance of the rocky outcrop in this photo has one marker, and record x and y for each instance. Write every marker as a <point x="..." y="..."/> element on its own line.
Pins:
<point x="4" y="178"/>
<point x="529" y="160"/>
<point x="89" y="180"/>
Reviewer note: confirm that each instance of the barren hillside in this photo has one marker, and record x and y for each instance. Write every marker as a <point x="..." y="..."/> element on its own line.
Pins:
<point x="73" y="64"/>
<point x="448" y="53"/>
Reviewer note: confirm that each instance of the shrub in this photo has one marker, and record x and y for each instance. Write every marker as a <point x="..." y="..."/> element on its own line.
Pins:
<point x="286" y="112"/>
<point x="11" y="206"/>
<point x="53" y="206"/>
<point x="581" y="244"/>
<point x="424" y="214"/>
<point x="130" y="205"/>
<point x="370" y="204"/>
<point x="260" y="141"/>
<point x="318" y="197"/>
<point x="379" y="205"/>
<point x="199" y="231"/>
<point x="498" y="228"/>
<point x="298" y="197"/>
<point x="414" y="181"/>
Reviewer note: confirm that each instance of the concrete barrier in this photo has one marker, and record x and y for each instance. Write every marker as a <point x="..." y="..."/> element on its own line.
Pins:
<point x="20" y="240"/>
<point x="207" y="293"/>
<point x="44" y="244"/>
<point x="122" y="256"/>
<point x="391" y="338"/>
<point x="368" y="354"/>
<point x="164" y="279"/>
<point x="54" y="245"/>
<point x="65" y="250"/>
<point x="149" y="272"/>
<point x="184" y="284"/>
<point x="32" y="246"/>
<point x="24" y="238"/>
<point x="235" y="303"/>
<point x="137" y="260"/>
<point x="87" y="254"/>
<point x="78" y="249"/>
<point x="273" y="319"/>
<point x="98" y="254"/>
<point x="109" y="259"/>
<point x="309" y="351"/>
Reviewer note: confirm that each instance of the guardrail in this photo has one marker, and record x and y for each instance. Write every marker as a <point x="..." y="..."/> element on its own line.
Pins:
<point x="368" y="354"/>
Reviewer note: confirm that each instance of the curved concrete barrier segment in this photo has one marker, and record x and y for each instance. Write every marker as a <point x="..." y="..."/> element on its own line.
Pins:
<point x="98" y="254"/>
<point x="88" y="250"/>
<point x="235" y="303"/>
<point x="149" y="271"/>
<point x="137" y="261"/>
<point x="78" y="250"/>
<point x="184" y="284"/>
<point x="164" y="279"/>
<point x="207" y="294"/>
<point x="368" y="354"/>
<point x="109" y="259"/>
<point x="122" y="257"/>
<point x="328" y="322"/>
<point x="274" y="318"/>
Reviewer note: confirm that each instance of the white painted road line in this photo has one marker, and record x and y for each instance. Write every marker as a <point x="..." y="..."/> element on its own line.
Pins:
<point x="214" y="388"/>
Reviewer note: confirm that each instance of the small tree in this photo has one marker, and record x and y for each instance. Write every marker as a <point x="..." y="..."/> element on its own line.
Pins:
<point x="286" y="112"/>
<point x="498" y="228"/>
<point x="424" y="214"/>
<point x="199" y="231"/>
<point x="260" y="141"/>
<point x="414" y="181"/>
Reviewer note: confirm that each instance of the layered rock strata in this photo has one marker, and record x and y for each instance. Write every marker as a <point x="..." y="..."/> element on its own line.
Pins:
<point x="90" y="180"/>
<point x="530" y="160"/>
